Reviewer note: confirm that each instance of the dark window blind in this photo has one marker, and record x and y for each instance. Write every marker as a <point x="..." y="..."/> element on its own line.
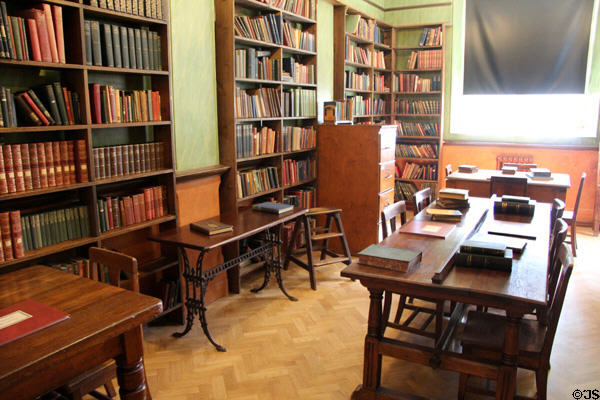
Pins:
<point x="526" y="46"/>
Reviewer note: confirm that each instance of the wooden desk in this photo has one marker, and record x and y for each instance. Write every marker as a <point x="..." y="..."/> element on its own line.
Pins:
<point x="478" y="184"/>
<point x="105" y="322"/>
<point x="245" y="224"/>
<point x="517" y="293"/>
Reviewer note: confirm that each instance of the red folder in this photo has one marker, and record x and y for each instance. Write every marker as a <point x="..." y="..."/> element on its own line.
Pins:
<point x="34" y="316"/>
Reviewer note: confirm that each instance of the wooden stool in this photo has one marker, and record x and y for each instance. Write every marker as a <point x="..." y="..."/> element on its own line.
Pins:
<point x="322" y="234"/>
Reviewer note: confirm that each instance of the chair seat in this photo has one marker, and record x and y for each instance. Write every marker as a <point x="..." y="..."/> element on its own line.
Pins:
<point x="567" y="216"/>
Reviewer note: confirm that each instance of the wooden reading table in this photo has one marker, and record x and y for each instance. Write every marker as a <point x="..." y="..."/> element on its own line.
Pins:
<point x="517" y="293"/>
<point x="478" y="184"/>
<point x="245" y="224"/>
<point x="104" y="323"/>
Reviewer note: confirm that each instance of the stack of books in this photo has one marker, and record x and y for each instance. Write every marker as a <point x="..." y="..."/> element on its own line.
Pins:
<point x="480" y="254"/>
<point x="518" y="205"/>
<point x="438" y="214"/>
<point x="468" y="169"/>
<point x="450" y="198"/>
<point x="272" y="207"/>
<point x="509" y="170"/>
<point x="542" y="174"/>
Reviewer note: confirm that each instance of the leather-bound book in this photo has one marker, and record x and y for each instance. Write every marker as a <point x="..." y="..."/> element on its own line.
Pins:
<point x="50" y="164"/>
<point x="147" y="157"/>
<point x="81" y="157"/>
<point x="45" y="8"/>
<point x="148" y="203"/>
<point x="34" y="107"/>
<point x="18" y="167"/>
<point x="3" y="182"/>
<point x="38" y="103"/>
<point x="35" y="166"/>
<point x="87" y="30"/>
<point x="36" y="53"/>
<point x="71" y="157"/>
<point x="9" y="168"/>
<point x="26" y="114"/>
<point x="48" y="91"/>
<point x="60" y="37"/>
<point x="60" y="102"/>
<point x="17" y="234"/>
<point x="6" y="236"/>
<point x="41" y="156"/>
<point x="58" y="170"/>
<point x="63" y="147"/>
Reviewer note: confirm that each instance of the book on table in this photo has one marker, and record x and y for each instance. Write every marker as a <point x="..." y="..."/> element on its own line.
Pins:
<point x="454" y="204"/>
<point x="427" y="228"/>
<point x="439" y="214"/>
<point x="514" y="207"/>
<point x="508" y="170"/>
<point x="500" y="263"/>
<point x="517" y="245"/>
<point x="469" y="169"/>
<point x="453" y="193"/>
<point x="387" y="257"/>
<point x="540" y="172"/>
<point x="483" y="247"/>
<point x="211" y="227"/>
<point x="516" y="199"/>
<point x="27" y="317"/>
<point x="273" y="208"/>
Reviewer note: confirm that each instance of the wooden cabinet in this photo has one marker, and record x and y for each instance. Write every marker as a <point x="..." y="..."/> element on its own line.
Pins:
<point x="356" y="173"/>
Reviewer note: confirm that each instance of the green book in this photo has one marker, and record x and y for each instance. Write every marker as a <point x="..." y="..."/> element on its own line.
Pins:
<point x="77" y="223"/>
<point x="87" y="30"/>
<point x="62" y="225"/>
<point x="108" y="45"/>
<point x="37" y="227"/>
<point x="138" y="49"/>
<point x="84" y="221"/>
<point x="44" y="222"/>
<point x="60" y="101"/>
<point x="124" y="47"/>
<point x="96" y="43"/>
<point x="131" y="44"/>
<point x="101" y="216"/>
<point x="116" y="45"/>
<point x="14" y="22"/>
<point x="68" y="227"/>
<point x="387" y="257"/>
<point x="53" y="228"/>
<point x="26" y="238"/>
<point x="145" y="49"/>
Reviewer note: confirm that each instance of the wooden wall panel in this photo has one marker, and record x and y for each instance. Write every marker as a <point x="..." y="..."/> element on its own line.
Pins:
<point x="572" y="162"/>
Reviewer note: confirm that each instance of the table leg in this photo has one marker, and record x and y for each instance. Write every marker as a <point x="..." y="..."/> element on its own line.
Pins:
<point x="130" y="367"/>
<point x="189" y="303"/>
<point x="203" y="322"/>
<point x="507" y="373"/>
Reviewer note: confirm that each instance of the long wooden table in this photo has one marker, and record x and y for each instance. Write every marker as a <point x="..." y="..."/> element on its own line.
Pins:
<point x="478" y="184"/>
<point x="246" y="223"/>
<point x="105" y="322"/>
<point x="517" y="292"/>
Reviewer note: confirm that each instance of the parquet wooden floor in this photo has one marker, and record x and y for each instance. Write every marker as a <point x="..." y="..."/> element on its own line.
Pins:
<point x="313" y="348"/>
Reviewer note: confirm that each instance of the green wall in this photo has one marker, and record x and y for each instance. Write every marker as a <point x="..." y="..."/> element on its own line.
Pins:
<point x="325" y="55"/>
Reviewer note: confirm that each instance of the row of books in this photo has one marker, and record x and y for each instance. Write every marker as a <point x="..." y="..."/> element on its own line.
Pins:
<point x="252" y="141"/>
<point x="55" y="105"/>
<point x="338" y="110"/>
<point x="53" y="227"/>
<point x="379" y="59"/>
<point x="120" y="211"/>
<point x="419" y="171"/>
<point x="294" y="36"/>
<point x="379" y="106"/>
<point x="76" y="266"/>
<point x="418" y="128"/>
<point x="356" y="54"/>
<point x="110" y="105"/>
<point x="256" y="64"/>
<point x="431" y="37"/>
<point x="360" y="105"/>
<point x="425" y="59"/>
<point x="143" y="8"/>
<point x="119" y="46"/>
<point x="30" y="166"/>
<point x="361" y="27"/>
<point x="257" y="103"/>
<point x="295" y="171"/>
<point x="418" y="107"/>
<point x="299" y="102"/>
<point x="354" y="80"/>
<point x="36" y="34"/>
<point x="168" y="292"/>
<point x="298" y="138"/>
<point x="379" y="83"/>
<point x="416" y="83"/>
<point x="265" y="28"/>
<point x="11" y="236"/>
<point x="296" y="72"/>
<point x="304" y="197"/>
<point x="454" y="199"/>
<point x="305" y="8"/>
<point x="256" y="181"/>
<point x="417" y="150"/>
<point x="404" y="190"/>
<point x="111" y="161"/>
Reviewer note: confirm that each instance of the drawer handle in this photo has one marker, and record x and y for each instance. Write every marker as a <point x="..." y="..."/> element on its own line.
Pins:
<point x="389" y="176"/>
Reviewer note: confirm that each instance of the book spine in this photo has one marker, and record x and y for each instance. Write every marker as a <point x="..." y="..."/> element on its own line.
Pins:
<point x="81" y="157"/>
<point x="58" y="170"/>
<point x="41" y="156"/>
<point x="60" y="101"/>
<point x="481" y="250"/>
<point x="50" y="164"/>
<point x="96" y="44"/>
<point x="71" y="157"/>
<point x="51" y="31"/>
<point x="9" y="168"/>
<point x="504" y="207"/>
<point x="483" y="261"/>
<point x="87" y="29"/>
<point x="36" y="52"/>
<point x="35" y="167"/>
<point x="17" y="234"/>
<point x="5" y="231"/>
<point x="18" y="167"/>
<point x="60" y="39"/>
<point x="41" y="107"/>
<point x="26" y="112"/>
<point x="3" y="181"/>
<point x="116" y="38"/>
<point x="68" y="105"/>
<point x="64" y="162"/>
<point x="49" y="92"/>
<point x="26" y="166"/>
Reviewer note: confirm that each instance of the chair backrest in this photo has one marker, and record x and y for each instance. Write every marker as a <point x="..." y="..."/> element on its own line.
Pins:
<point x="583" y="176"/>
<point x="520" y="166"/>
<point x="448" y="169"/>
<point x="422" y="198"/>
<point x="558" y="208"/>
<point x="565" y="258"/>
<point x="500" y="185"/>
<point x="114" y="263"/>
<point x="389" y="214"/>
<point x="559" y="234"/>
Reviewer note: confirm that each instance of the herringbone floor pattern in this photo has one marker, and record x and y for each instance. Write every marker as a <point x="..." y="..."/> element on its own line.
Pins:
<point x="313" y="348"/>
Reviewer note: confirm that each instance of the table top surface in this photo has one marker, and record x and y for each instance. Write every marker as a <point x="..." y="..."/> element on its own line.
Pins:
<point x="97" y="312"/>
<point x="246" y="223"/>
<point x="558" y="179"/>
<point x="523" y="287"/>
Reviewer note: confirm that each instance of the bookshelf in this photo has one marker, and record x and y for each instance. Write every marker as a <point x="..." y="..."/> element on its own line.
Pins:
<point x="418" y="53"/>
<point x="363" y="65"/>
<point x="107" y="175"/>
<point x="267" y="104"/>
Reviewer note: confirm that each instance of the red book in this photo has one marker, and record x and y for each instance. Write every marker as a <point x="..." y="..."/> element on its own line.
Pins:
<point x="45" y="8"/>
<point x="50" y="164"/>
<point x="34" y="108"/>
<point x="35" y="166"/>
<point x="26" y="166"/>
<point x="9" y="168"/>
<point x="148" y="203"/>
<point x="96" y="103"/>
<point x="6" y="236"/>
<point x="71" y="152"/>
<point x="58" y="170"/>
<point x="17" y="234"/>
<point x="129" y="214"/>
<point x="42" y="35"/>
<point x="138" y="212"/>
<point x="60" y="38"/>
<point x="18" y="167"/>
<point x="3" y="183"/>
<point x="28" y="316"/>
<point x="109" y="214"/>
<point x="69" y="105"/>
<point x="64" y="162"/>
<point x="1" y="249"/>
<point x="124" y="221"/>
<point x="41" y="155"/>
<point x="81" y="160"/>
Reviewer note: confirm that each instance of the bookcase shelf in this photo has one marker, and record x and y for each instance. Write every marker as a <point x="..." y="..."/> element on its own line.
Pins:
<point x="85" y="188"/>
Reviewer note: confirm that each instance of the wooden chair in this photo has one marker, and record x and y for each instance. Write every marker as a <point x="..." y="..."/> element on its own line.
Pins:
<point x="448" y="169"/>
<point x="571" y="217"/>
<point x="389" y="214"/>
<point x="110" y="266"/>
<point x="422" y="199"/>
<point x="500" y="185"/>
<point x="558" y="209"/>
<point x="483" y="336"/>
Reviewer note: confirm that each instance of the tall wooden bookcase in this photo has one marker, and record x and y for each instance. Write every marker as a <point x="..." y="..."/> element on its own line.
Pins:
<point x="369" y="80"/>
<point x="418" y="106"/>
<point x="155" y="264"/>
<point x="234" y="83"/>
